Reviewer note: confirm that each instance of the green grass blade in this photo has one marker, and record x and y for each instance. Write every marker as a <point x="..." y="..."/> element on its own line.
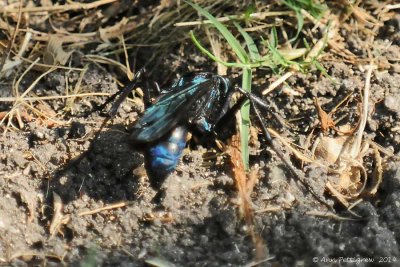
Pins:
<point x="294" y="5"/>
<point x="245" y="115"/>
<point x="211" y="55"/>
<point x="251" y="46"/>
<point x="273" y="40"/>
<point x="233" y="42"/>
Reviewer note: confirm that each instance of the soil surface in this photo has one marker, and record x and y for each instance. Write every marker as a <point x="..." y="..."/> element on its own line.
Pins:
<point x="54" y="183"/>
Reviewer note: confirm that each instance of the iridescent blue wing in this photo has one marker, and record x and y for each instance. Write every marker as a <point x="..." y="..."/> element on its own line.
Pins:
<point x="173" y="107"/>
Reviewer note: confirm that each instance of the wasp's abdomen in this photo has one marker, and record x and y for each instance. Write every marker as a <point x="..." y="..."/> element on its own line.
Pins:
<point x="166" y="153"/>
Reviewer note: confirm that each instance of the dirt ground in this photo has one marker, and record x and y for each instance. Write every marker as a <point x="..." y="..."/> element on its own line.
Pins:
<point x="57" y="211"/>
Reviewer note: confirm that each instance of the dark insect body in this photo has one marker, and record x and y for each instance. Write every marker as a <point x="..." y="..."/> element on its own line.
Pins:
<point x="196" y="100"/>
<point x="163" y="156"/>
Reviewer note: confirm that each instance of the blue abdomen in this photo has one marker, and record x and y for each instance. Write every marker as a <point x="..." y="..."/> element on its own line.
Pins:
<point x="164" y="155"/>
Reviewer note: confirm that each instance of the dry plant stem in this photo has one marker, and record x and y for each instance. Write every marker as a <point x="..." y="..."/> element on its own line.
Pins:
<point x="10" y="44"/>
<point x="337" y="194"/>
<point x="18" y="97"/>
<point x="297" y="153"/>
<point x="390" y="7"/>
<point x="278" y="82"/>
<point x="25" y="44"/>
<point x="259" y="15"/>
<point x="329" y="215"/>
<point x="40" y="98"/>
<point x="38" y="112"/>
<point x="61" y="8"/>
<point x="258" y="263"/>
<point x="381" y="149"/>
<point x="21" y="98"/>
<point x="71" y="101"/>
<point x="11" y="64"/>
<point x="245" y="200"/>
<point x="351" y="160"/>
<point x="105" y="60"/>
<point x="108" y="207"/>
<point x="355" y="150"/>
<point x="129" y="72"/>
<point x="58" y="216"/>
<point x="269" y="209"/>
<point x="217" y="51"/>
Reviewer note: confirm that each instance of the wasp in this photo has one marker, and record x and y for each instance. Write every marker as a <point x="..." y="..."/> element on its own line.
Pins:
<point x="196" y="100"/>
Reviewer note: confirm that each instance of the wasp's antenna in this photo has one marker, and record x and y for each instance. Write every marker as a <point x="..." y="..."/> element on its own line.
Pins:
<point x="254" y="101"/>
<point x="124" y="93"/>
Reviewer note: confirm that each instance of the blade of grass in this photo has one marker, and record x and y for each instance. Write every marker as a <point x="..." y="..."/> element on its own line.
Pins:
<point x="245" y="116"/>
<point x="233" y="42"/>
<point x="300" y="20"/>
<point x="251" y="46"/>
<point x="211" y="55"/>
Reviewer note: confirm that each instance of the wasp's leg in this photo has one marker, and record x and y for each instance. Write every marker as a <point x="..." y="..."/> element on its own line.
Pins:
<point x="254" y="101"/>
<point x="225" y="106"/>
<point x="230" y="112"/>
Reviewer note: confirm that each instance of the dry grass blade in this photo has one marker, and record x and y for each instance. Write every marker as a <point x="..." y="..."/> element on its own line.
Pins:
<point x="41" y="98"/>
<point x="20" y="99"/>
<point x="257" y="15"/>
<point x="363" y="16"/>
<point x="108" y="207"/>
<point x="105" y="60"/>
<point x="329" y="215"/>
<point x="117" y="30"/>
<point x="10" y="65"/>
<point x="244" y="196"/>
<point x="10" y="44"/>
<point x="60" y="8"/>
<point x="70" y="101"/>
<point x="278" y="82"/>
<point x="390" y="7"/>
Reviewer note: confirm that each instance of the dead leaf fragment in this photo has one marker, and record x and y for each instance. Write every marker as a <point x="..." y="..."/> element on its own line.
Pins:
<point x="330" y="148"/>
<point x="58" y="217"/>
<point x="325" y="119"/>
<point x="54" y="53"/>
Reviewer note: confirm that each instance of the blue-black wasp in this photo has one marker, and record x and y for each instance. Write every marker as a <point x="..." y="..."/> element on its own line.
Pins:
<point x="196" y="100"/>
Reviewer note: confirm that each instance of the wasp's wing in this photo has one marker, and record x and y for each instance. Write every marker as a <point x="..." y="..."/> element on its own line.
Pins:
<point x="172" y="107"/>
